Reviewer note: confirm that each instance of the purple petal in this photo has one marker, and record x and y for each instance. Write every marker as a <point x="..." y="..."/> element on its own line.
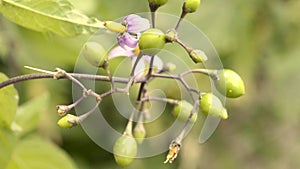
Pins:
<point x="127" y="40"/>
<point x="119" y="51"/>
<point x="136" y="24"/>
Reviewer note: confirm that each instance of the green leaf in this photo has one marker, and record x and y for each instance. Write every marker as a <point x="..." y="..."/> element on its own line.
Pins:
<point x="57" y="16"/>
<point x="7" y="144"/>
<point x="35" y="153"/>
<point x="8" y="103"/>
<point x="28" y="115"/>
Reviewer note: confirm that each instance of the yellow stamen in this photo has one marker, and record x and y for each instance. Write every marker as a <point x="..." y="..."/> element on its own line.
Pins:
<point x="114" y="26"/>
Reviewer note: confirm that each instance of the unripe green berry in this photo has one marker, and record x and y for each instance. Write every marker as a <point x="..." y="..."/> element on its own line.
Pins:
<point x="229" y="83"/>
<point x="125" y="150"/>
<point x="191" y="5"/>
<point x="198" y="56"/>
<point x="68" y="121"/>
<point x="211" y="105"/>
<point x="151" y="41"/>
<point x="139" y="133"/>
<point x="158" y="2"/>
<point x="182" y="111"/>
<point x="94" y="53"/>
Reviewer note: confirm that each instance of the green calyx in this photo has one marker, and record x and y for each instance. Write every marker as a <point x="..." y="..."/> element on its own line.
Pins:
<point x="182" y="111"/>
<point x="68" y="121"/>
<point x="152" y="41"/>
<point x="211" y="105"/>
<point x="95" y="54"/>
<point x="198" y="56"/>
<point x="191" y="5"/>
<point x="229" y="83"/>
<point x="125" y="150"/>
<point x="139" y="133"/>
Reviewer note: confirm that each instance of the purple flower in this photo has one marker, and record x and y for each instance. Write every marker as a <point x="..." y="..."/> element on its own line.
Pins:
<point x="126" y="39"/>
<point x="134" y="26"/>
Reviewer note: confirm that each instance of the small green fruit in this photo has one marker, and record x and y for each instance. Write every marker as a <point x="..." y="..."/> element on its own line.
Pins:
<point x="68" y="121"/>
<point x="158" y="2"/>
<point x="211" y="105"/>
<point x="94" y="53"/>
<point x="183" y="110"/>
<point x="125" y="150"/>
<point x="151" y="41"/>
<point x="139" y="133"/>
<point x="191" y="5"/>
<point x="198" y="56"/>
<point x="230" y="84"/>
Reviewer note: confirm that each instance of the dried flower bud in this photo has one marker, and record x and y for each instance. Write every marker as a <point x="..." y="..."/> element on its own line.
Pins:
<point x="173" y="152"/>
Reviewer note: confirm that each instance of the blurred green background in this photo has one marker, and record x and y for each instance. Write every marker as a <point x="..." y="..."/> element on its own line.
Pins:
<point x="259" y="39"/>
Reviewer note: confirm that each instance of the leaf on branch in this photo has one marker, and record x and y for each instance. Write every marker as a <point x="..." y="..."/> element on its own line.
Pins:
<point x="56" y="16"/>
<point x="9" y="99"/>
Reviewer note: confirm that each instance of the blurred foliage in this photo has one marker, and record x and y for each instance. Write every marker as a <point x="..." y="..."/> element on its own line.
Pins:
<point x="259" y="39"/>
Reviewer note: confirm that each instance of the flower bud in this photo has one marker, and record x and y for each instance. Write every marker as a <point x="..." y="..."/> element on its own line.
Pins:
<point x="211" y="105"/>
<point x="229" y="83"/>
<point x="139" y="133"/>
<point x="170" y="66"/>
<point x="198" y="56"/>
<point x="171" y="35"/>
<point x="151" y="41"/>
<point x="68" y="121"/>
<point x="95" y="54"/>
<point x="62" y="109"/>
<point x="125" y="150"/>
<point x="191" y="5"/>
<point x="183" y="110"/>
<point x="114" y="26"/>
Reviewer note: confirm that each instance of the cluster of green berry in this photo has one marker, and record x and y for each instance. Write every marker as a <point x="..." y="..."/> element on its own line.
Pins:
<point x="150" y="42"/>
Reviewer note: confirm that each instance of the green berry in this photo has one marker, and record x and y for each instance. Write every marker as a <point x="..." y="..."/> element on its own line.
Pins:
<point x="182" y="111"/>
<point x="211" y="105"/>
<point x="94" y="53"/>
<point x="151" y="41"/>
<point x="125" y="150"/>
<point x="198" y="56"/>
<point x="68" y="121"/>
<point x="230" y="84"/>
<point x="158" y="2"/>
<point x="191" y="5"/>
<point x="139" y="133"/>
